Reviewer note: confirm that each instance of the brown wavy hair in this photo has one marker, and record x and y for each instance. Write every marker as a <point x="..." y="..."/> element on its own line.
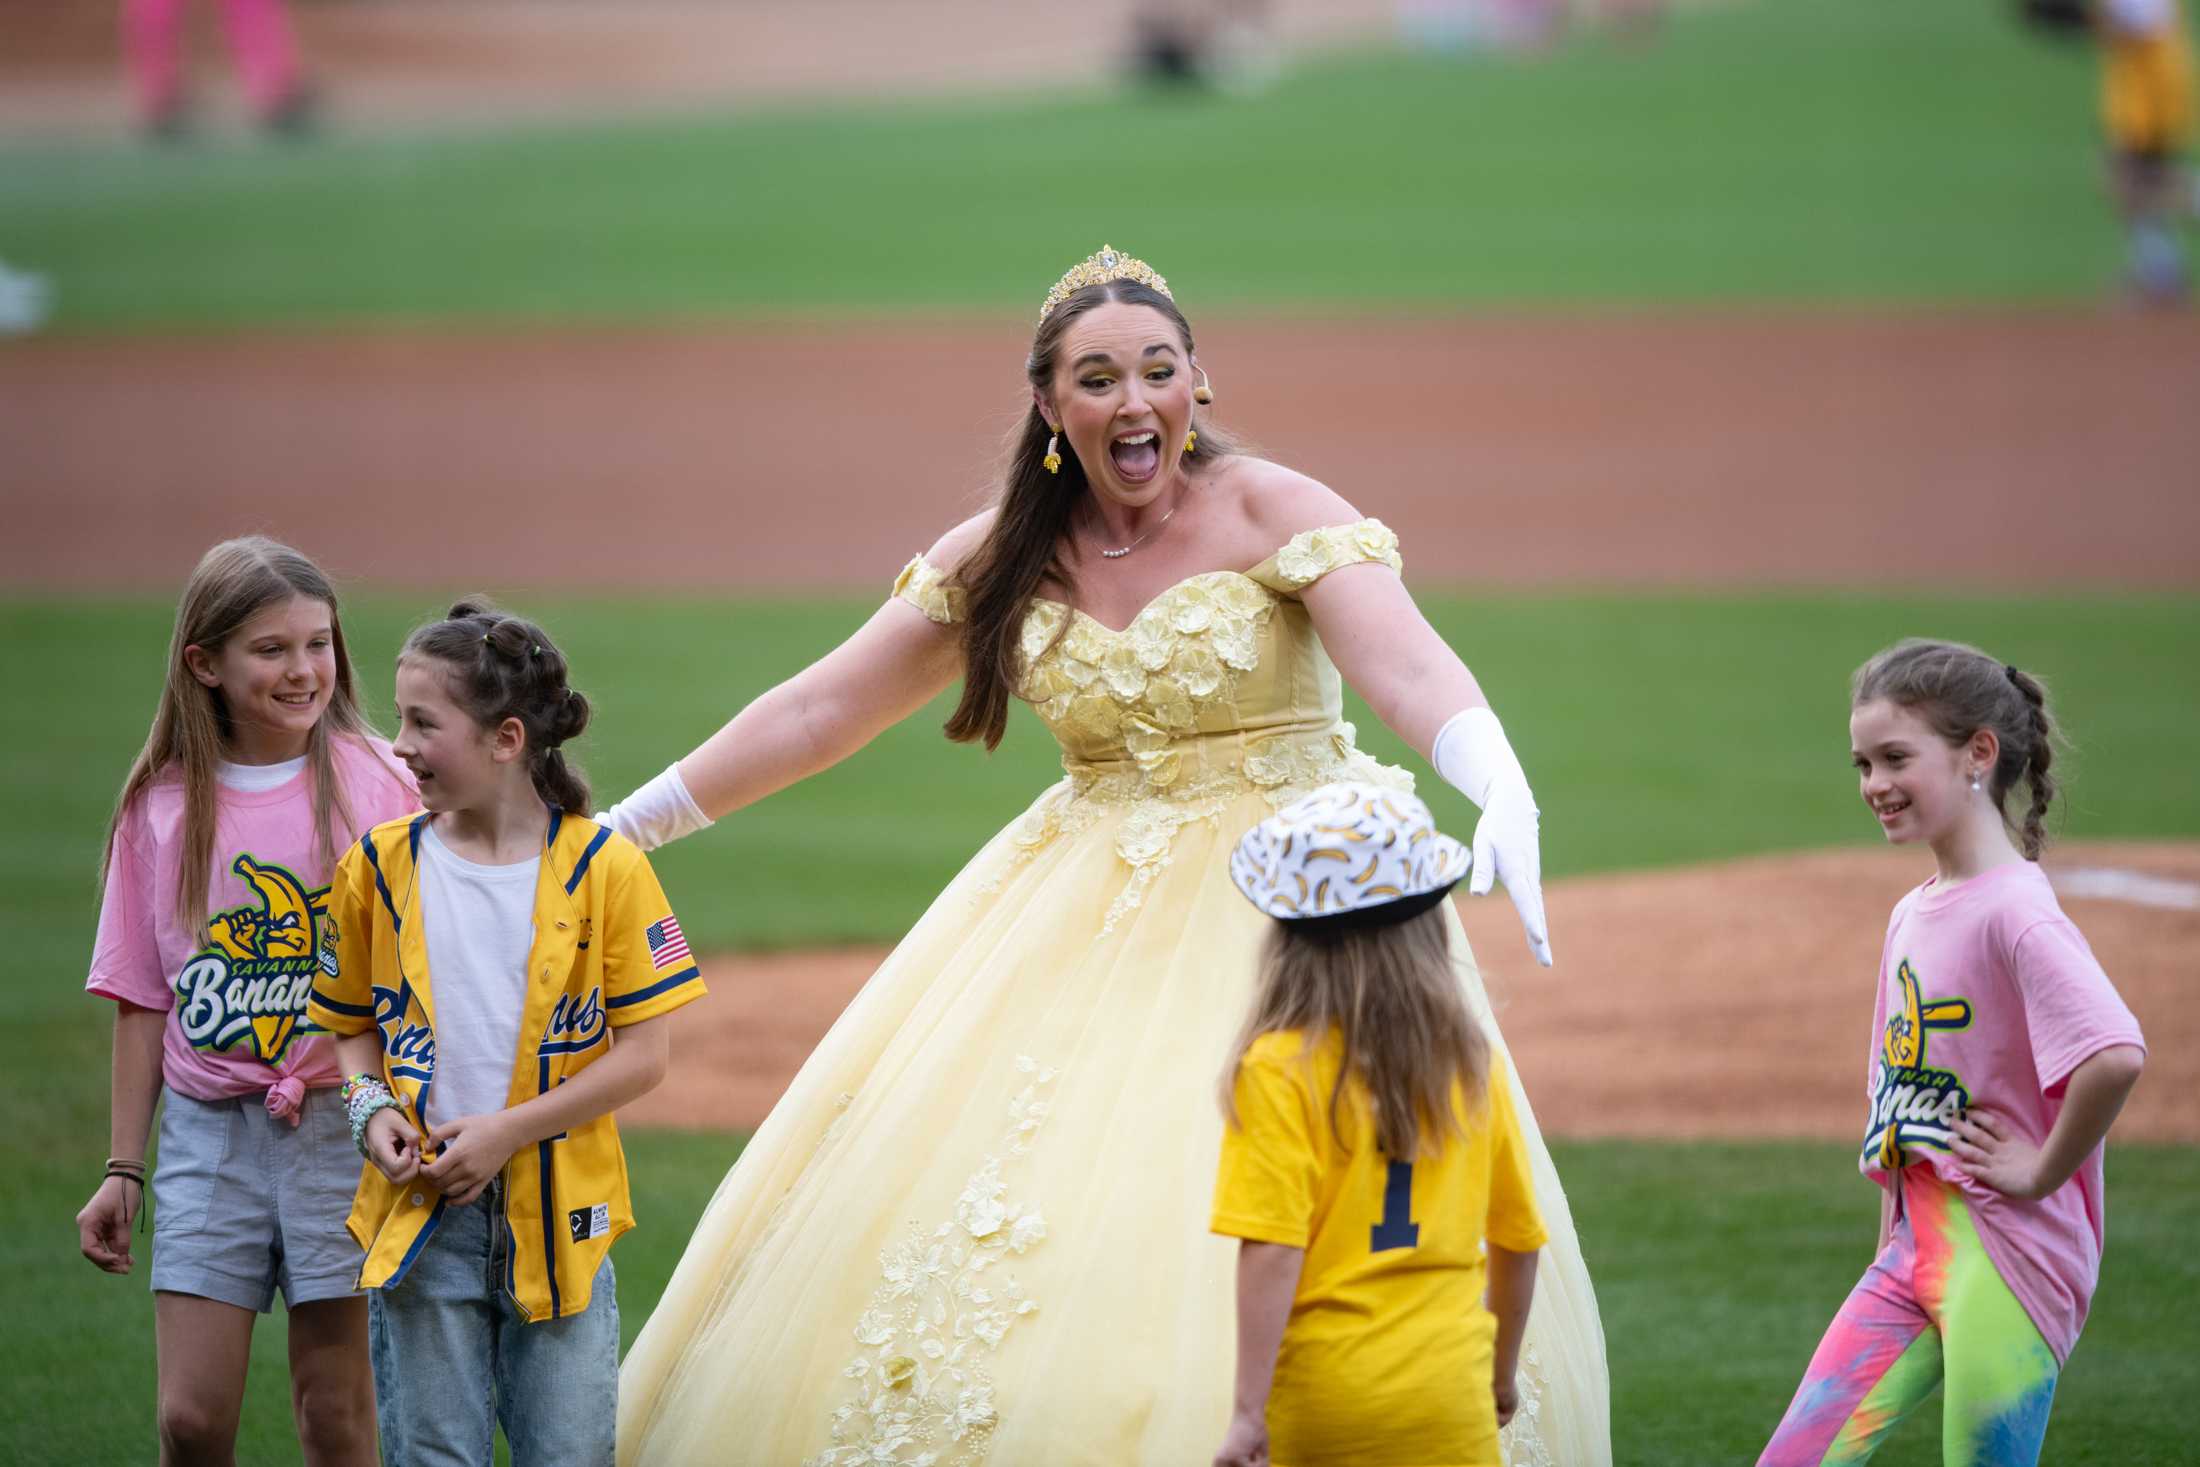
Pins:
<point x="1396" y="1001"/>
<point x="1024" y="545"/>
<point x="234" y="582"/>
<point x="501" y="667"/>
<point x="1958" y="690"/>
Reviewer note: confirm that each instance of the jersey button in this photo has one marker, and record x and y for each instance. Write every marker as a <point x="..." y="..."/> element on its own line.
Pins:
<point x="419" y="1200"/>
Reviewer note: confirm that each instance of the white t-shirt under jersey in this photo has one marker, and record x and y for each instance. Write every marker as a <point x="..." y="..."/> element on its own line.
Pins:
<point x="480" y="924"/>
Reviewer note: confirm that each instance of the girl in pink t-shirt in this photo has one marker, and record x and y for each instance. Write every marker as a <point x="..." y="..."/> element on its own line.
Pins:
<point x="259" y="771"/>
<point x="2000" y="1054"/>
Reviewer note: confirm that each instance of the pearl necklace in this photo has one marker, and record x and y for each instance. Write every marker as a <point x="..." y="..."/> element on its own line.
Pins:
<point x="1142" y="539"/>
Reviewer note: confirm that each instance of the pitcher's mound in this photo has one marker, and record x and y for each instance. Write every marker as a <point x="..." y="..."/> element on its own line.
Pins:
<point x="1726" y="1000"/>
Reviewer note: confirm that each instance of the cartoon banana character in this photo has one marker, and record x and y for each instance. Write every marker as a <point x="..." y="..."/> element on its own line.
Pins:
<point x="281" y="928"/>
<point x="1904" y="1044"/>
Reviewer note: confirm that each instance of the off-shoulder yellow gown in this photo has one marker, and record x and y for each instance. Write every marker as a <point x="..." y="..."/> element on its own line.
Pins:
<point x="975" y="1227"/>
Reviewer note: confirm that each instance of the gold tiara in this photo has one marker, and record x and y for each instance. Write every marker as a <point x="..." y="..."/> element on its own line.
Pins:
<point x="1107" y="265"/>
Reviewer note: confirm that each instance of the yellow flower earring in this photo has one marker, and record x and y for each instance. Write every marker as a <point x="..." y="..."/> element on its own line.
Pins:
<point x="1053" y="460"/>
<point x="1191" y="440"/>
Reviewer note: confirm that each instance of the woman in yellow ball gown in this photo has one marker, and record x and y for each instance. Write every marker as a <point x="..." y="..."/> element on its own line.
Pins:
<point x="974" y="1230"/>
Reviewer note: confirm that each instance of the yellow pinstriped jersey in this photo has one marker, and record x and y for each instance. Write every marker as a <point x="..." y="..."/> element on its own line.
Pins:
<point x="606" y="952"/>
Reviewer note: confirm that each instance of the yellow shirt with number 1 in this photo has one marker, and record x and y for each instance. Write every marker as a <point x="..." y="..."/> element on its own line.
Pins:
<point x="1386" y="1359"/>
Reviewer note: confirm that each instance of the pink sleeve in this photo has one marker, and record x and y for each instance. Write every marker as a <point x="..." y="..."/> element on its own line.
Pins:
<point x="1874" y="1045"/>
<point x="125" y="955"/>
<point x="377" y="786"/>
<point x="2071" y="1008"/>
<point x="401" y="795"/>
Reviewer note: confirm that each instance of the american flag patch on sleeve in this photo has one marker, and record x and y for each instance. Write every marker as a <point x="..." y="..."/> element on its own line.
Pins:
<point x="667" y="945"/>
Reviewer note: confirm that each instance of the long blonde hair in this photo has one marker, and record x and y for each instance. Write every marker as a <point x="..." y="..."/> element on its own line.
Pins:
<point x="234" y="582"/>
<point x="1394" y="998"/>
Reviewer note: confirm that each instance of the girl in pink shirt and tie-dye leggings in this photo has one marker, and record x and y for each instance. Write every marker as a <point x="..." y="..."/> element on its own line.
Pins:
<point x="2000" y="1055"/>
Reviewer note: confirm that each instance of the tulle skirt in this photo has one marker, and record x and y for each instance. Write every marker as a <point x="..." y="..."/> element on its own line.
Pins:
<point x="975" y="1227"/>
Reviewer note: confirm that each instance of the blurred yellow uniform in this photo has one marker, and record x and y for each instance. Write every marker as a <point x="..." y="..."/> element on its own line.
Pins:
<point x="1386" y="1360"/>
<point x="2146" y="76"/>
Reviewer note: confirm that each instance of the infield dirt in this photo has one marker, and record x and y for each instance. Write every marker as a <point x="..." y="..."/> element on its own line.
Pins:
<point x="1731" y="1000"/>
<point x="1921" y="451"/>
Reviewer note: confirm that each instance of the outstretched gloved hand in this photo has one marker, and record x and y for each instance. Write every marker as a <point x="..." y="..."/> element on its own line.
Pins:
<point x="1473" y="756"/>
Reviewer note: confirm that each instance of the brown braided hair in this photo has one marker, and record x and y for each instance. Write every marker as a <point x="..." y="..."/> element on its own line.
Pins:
<point x="1959" y="690"/>
<point x="507" y="667"/>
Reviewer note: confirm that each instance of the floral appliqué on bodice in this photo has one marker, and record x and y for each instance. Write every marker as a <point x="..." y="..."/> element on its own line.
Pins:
<point x="1170" y="715"/>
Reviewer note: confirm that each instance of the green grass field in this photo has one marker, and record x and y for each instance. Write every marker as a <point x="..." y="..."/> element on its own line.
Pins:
<point x="1657" y="730"/>
<point x="1828" y="150"/>
<point x="1713" y="1295"/>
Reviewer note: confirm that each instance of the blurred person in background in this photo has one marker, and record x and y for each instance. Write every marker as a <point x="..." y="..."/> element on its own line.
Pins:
<point x="1228" y="44"/>
<point x="259" y="36"/>
<point x="2147" y="109"/>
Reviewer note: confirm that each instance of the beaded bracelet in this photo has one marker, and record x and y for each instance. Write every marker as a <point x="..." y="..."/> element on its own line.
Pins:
<point x="363" y="1096"/>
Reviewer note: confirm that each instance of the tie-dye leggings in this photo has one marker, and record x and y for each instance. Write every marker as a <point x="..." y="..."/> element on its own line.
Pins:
<point x="1930" y="1309"/>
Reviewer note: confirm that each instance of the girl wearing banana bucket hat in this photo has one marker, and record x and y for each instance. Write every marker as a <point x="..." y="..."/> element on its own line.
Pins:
<point x="1373" y="1169"/>
<point x="1348" y="856"/>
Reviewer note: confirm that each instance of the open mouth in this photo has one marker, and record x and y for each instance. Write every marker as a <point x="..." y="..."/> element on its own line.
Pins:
<point x="1887" y="813"/>
<point x="297" y="700"/>
<point x="1136" y="456"/>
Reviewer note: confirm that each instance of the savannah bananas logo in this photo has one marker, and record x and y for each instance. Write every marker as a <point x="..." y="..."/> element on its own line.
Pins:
<point x="1912" y="1103"/>
<point x="251" y="981"/>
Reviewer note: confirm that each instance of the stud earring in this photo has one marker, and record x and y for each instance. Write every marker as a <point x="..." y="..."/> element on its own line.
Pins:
<point x="1203" y="394"/>
<point x="1053" y="460"/>
<point x="1191" y="441"/>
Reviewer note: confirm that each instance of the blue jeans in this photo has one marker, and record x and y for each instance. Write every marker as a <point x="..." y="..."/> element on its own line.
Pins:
<point x="453" y="1358"/>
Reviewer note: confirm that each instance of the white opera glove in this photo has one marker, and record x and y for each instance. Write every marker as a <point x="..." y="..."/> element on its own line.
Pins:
<point x="1472" y="755"/>
<point x="658" y="813"/>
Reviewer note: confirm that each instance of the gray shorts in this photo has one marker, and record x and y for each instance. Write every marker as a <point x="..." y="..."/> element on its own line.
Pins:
<point x="243" y="1203"/>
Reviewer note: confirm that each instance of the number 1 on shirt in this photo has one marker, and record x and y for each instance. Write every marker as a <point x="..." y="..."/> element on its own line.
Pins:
<point x="1397" y="1229"/>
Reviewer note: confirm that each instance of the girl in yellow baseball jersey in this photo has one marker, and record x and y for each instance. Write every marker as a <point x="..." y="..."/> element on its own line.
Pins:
<point x="1373" y="1168"/>
<point x="502" y="970"/>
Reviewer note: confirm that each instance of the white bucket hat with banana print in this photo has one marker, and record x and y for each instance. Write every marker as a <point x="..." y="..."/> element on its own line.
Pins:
<point x="1348" y="855"/>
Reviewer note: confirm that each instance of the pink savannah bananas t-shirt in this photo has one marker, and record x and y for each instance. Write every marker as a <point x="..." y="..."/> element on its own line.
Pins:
<point x="1989" y="996"/>
<point x="236" y="989"/>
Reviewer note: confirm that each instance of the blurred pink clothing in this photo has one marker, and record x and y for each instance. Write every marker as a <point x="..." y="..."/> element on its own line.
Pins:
<point x="259" y="37"/>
